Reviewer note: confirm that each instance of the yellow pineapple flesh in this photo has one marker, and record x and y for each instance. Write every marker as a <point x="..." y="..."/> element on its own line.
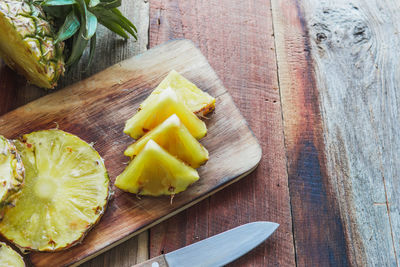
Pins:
<point x="175" y="138"/>
<point x="188" y="93"/>
<point x="65" y="193"/>
<point x="155" y="172"/>
<point x="9" y="257"/>
<point x="12" y="173"/>
<point x="159" y="109"/>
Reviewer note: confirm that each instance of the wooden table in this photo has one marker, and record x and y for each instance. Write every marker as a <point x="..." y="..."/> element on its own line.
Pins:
<point x="317" y="82"/>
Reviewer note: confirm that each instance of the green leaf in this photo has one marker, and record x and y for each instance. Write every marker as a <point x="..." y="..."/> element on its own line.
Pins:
<point x="122" y="17"/>
<point x="92" y="51"/>
<point x="80" y="43"/>
<point x="69" y="28"/>
<point x="114" y="27"/>
<point x="111" y="4"/>
<point x="109" y="17"/>
<point x="91" y="22"/>
<point x="58" y="2"/>
<point x="57" y="11"/>
<point x="93" y="3"/>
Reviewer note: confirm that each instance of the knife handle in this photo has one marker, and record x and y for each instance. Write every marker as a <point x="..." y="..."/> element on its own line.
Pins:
<point x="159" y="261"/>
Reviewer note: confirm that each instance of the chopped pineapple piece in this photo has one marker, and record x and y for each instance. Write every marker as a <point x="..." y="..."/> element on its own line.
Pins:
<point x="194" y="98"/>
<point x="65" y="192"/>
<point x="155" y="112"/>
<point x="10" y="258"/>
<point x="173" y="136"/>
<point x="155" y="172"/>
<point x="12" y="173"/>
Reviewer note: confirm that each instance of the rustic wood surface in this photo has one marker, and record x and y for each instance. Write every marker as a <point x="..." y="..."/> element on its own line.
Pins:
<point x="237" y="38"/>
<point x="96" y="109"/>
<point x="338" y="73"/>
<point x="316" y="81"/>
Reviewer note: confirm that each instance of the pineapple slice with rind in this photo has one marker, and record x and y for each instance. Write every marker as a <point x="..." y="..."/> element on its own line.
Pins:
<point x="174" y="137"/>
<point x="65" y="193"/>
<point x="194" y="98"/>
<point x="12" y="173"/>
<point x="154" y="113"/>
<point x="155" y="172"/>
<point x="9" y="257"/>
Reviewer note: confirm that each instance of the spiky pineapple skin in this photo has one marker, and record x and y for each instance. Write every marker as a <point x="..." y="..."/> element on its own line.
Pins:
<point x="27" y="43"/>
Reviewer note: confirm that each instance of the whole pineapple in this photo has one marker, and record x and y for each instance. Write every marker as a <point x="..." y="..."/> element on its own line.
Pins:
<point x="27" y="43"/>
<point x="32" y="34"/>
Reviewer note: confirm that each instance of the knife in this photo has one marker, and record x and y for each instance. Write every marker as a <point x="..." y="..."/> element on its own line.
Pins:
<point x="217" y="250"/>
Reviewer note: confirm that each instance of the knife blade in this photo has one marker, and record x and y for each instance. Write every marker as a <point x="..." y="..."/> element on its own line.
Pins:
<point x="217" y="250"/>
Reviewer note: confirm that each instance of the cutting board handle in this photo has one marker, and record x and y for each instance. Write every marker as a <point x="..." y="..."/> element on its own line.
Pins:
<point x="154" y="262"/>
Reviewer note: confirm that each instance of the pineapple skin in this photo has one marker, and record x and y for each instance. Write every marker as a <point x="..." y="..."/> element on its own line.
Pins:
<point x="27" y="43"/>
<point x="12" y="174"/>
<point x="9" y="257"/>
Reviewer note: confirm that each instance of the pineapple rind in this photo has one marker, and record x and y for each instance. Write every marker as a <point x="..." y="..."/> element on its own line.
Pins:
<point x="164" y="105"/>
<point x="9" y="257"/>
<point x="27" y="43"/>
<point x="195" y="99"/>
<point x="65" y="193"/>
<point x="155" y="172"/>
<point x="12" y="173"/>
<point x="175" y="138"/>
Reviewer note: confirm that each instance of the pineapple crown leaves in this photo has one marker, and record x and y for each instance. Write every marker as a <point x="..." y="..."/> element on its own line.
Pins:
<point x="78" y="19"/>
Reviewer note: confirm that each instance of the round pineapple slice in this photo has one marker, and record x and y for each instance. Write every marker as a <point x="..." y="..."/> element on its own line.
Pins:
<point x="65" y="193"/>
<point x="11" y="172"/>
<point x="10" y="258"/>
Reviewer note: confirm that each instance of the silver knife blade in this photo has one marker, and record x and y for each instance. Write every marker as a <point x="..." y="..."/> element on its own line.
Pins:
<point x="223" y="248"/>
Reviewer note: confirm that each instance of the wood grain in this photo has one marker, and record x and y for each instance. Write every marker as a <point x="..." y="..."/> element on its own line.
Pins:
<point x="339" y="83"/>
<point x="237" y="38"/>
<point x="317" y="224"/>
<point x="110" y="49"/>
<point x="96" y="109"/>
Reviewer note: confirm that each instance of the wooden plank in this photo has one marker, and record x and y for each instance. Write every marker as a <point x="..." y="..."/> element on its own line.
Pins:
<point x="339" y="82"/>
<point x="96" y="109"/>
<point x="318" y="228"/>
<point x="110" y="49"/>
<point x="236" y="36"/>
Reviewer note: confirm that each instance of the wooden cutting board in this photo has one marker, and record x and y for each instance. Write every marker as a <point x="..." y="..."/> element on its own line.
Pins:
<point x="95" y="109"/>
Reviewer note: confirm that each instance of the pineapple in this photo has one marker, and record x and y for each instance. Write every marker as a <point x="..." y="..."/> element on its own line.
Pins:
<point x="155" y="172"/>
<point x="10" y="258"/>
<point x="163" y="106"/>
<point x="27" y="43"/>
<point x="195" y="99"/>
<point x="12" y="173"/>
<point x="174" y="137"/>
<point x="32" y="34"/>
<point x="65" y="193"/>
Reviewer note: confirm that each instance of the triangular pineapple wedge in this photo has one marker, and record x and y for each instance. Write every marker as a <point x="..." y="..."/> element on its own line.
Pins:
<point x="159" y="109"/>
<point x="9" y="257"/>
<point x="155" y="172"/>
<point x="174" y="137"/>
<point x="194" y="98"/>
